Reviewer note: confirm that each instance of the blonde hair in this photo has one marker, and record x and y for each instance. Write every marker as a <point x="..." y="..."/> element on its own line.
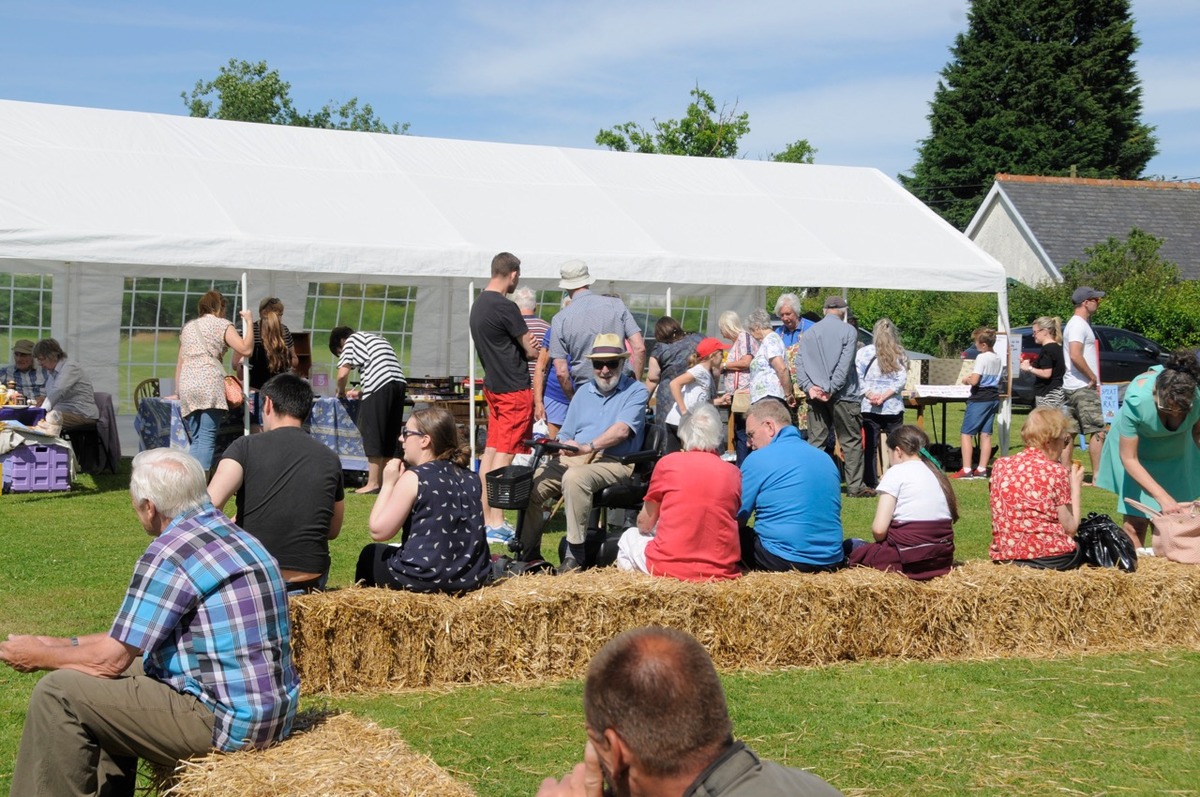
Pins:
<point x="1043" y="425"/>
<point x="270" y="330"/>
<point x="888" y="351"/>
<point x="1050" y="324"/>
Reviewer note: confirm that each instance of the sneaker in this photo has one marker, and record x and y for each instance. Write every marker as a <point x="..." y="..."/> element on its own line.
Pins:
<point x="981" y="473"/>
<point x="502" y="534"/>
<point x="1145" y="552"/>
<point x="964" y="474"/>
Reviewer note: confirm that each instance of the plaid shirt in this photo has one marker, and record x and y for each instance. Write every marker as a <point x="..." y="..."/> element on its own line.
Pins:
<point x="30" y="384"/>
<point x="208" y="607"/>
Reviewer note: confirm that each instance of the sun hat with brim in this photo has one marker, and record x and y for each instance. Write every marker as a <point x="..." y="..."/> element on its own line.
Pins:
<point x="23" y="346"/>
<point x="574" y="274"/>
<point x="607" y="346"/>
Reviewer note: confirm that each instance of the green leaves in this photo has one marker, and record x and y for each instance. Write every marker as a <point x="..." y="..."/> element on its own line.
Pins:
<point x="247" y="92"/>
<point x="703" y="132"/>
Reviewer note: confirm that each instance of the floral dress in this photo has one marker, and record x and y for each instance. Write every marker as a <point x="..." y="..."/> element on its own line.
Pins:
<point x="764" y="381"/>
<point x="201" y="372"/>
<point x="1027" y="490"/>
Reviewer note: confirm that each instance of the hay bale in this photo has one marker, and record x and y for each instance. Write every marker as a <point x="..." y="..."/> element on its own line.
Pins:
<point x="540" y="628"/>
<point x="332" y="754"/>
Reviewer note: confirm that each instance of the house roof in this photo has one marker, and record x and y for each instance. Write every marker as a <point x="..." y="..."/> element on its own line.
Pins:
<point x="1067" y="215"/>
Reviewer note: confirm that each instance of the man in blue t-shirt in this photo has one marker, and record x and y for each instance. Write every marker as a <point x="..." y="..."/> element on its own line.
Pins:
<point x="794" y="493"/>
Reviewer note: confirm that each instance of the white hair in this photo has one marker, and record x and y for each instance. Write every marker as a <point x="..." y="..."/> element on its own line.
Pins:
<point x="701" y="429"/>
<point x="787" y="299"/>
<point x="171" y="479"/>
<point x="758" y="319"/>
<point x="730" y="324"/>
<point x="525" y="298"/>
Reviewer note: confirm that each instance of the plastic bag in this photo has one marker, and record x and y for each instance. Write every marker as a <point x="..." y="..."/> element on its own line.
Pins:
<point x="1105" y="544"/>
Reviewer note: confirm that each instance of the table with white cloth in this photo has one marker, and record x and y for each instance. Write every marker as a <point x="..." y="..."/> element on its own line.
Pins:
<point x="159" y="424"/>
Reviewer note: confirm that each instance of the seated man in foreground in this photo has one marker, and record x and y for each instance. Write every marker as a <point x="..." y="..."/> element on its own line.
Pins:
<point x="198" y="658"/>
<point x="290" y="492"/>
<point x="794" y="492"/>
<point x="657" y="724"/>
<point x="606" y="419"/>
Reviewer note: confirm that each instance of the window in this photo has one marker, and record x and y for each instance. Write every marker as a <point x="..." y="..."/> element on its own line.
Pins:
<point x="24" y="309"/>
<point x="690" y="311"/>
<point x="385" y="310"/>
<point x="153" y="310"/>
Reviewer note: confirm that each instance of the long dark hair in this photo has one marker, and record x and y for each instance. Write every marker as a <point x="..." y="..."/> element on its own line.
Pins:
<point x="270" y="329"/>
<point x="912" y="441"/>
<point x="438" y="423"/>
<point x="667" y="330"/>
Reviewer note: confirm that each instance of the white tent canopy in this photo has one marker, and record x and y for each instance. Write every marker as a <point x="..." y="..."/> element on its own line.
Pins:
<point x="93" y="196"/>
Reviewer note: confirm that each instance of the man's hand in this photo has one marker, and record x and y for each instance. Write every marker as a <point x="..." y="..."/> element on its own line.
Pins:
<point x="22" y="653"/>
<point x="585" y="780"/>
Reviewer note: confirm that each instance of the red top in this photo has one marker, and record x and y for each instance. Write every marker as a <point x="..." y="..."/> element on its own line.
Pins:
<point x="697" y="535"/>
<point x="1027" y="490"/>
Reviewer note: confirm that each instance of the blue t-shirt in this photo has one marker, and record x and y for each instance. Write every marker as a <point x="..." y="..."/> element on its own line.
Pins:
<point x="794" y="492"/>
<point x="591" y="413"/>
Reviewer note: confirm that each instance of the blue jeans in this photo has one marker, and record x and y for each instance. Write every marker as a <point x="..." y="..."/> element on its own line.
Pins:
<point x="202" y="426"/>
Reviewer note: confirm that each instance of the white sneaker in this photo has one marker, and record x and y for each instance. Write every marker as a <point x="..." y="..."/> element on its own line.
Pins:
<point x="1145" y="552"/>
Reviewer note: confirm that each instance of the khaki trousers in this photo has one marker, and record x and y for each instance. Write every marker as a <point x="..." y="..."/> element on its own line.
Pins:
<point x="576" y="482"/>
<point x="83" y="735"/>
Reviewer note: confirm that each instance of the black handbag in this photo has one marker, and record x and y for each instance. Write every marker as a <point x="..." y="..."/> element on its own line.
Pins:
<point x="1105" y="544"/>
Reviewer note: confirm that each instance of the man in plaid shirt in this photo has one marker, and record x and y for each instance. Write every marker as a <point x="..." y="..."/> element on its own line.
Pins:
<point x="198" y="658"/>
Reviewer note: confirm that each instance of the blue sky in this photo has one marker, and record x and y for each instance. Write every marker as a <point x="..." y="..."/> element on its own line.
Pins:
<point x="853" y="77"/>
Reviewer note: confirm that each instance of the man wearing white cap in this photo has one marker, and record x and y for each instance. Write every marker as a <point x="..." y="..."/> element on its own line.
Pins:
<point x="606" y="420"/>
<point x="576" y="327"/>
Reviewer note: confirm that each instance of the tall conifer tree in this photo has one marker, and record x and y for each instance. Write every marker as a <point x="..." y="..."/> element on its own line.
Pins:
<point x="1035" y="87"/>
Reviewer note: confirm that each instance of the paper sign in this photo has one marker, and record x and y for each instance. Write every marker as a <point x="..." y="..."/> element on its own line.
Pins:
<point x="1109" y="402"/>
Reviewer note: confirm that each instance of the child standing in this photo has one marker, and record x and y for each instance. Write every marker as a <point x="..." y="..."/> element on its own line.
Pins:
<point x="982" y="405"/>
<point x="696" y="385"/>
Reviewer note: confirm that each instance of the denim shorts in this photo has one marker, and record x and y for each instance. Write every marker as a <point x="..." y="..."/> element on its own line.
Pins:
<point x="979" y="417"/>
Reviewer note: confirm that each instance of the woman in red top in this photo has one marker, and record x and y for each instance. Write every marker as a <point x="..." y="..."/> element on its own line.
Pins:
<point x="1035" y="501"/>
<point x="688" y="527"/>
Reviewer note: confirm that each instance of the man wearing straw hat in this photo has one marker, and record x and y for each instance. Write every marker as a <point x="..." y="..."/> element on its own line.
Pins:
<point x="606" y="419"/>
<point x="658" y="724"/>
<point x="198" y="658"/>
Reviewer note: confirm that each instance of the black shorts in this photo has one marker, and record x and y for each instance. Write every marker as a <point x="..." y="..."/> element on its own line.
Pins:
<point x="380" y="419"/>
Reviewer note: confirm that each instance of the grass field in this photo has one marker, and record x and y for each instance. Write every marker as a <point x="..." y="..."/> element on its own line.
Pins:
<point x="1104" y="724"/>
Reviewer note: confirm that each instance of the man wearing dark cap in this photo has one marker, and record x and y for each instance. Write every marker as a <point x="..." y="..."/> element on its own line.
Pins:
<point x="825" y="372"/>
<point x="588" y="315"/>
<point x="1081" y="382"/>
<point x="30" y="380"/>
<point x="606" y="420"/>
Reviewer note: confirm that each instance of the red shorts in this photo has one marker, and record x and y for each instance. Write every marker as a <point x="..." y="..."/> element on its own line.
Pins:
<point x="510" y="420"/>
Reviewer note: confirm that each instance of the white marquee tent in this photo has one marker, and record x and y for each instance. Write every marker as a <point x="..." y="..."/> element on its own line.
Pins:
<point x="94" y="196"/>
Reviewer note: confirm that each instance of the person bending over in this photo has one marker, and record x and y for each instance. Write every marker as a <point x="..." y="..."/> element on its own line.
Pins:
<point x="435" y="500"/>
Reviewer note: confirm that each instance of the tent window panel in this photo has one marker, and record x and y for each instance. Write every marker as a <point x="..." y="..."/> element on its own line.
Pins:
<point x="690" y="311"/>
<point x="24" y="308"/>
<point x="385" y="310"/>
<point x="153" y="310"/>
<point x="549" y="303"/>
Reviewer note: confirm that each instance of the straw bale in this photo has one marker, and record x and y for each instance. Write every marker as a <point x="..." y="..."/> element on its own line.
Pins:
<point x="539" y="628"/>
<point x="334" y="755"/>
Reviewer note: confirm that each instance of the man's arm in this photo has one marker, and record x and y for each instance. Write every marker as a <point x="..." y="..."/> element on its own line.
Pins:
<point x="1077" y="359"/>
<point x="335" y="522"/>
<point x="614" y="435"/>
<point x="225" y="482"/>
<point x="98" y="655"/>
<point x="637" y="353"/>
<point x="563" y="373"/>
<point x="343" y="376"/>
<point x="845" y="361"/>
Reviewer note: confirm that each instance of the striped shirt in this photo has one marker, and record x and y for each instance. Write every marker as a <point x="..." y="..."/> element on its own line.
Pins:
<point x="30" y="383"/>
<point x="375" y="360"/>
<point x="208" y="607"/>
<point x="539" y="328"/>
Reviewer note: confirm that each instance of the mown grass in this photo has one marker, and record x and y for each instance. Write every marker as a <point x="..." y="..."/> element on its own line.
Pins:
<point x="1080" y="725"/>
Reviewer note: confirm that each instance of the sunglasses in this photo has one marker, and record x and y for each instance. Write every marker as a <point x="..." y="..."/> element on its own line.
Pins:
<point x="600" y="365"/>
<point x="407" y="433"/>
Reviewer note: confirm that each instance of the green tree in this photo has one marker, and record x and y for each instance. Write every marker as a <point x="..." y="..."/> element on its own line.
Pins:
<point x="247" y="92"/>
<point x="703" y="132"/>
<point x="1044" y="87"/>
<point x="799" y="151"/>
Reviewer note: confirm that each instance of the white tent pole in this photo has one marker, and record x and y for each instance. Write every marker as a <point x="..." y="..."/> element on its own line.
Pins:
<point x="668" y="300"/>
<point x="245" y="363"/>
<point x="471" y="377"/>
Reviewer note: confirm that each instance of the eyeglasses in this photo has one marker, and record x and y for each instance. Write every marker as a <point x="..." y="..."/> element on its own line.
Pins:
<point x="1172" y="410"/>
<point x="600" y="365"/>
<point x="407" y="433"/>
